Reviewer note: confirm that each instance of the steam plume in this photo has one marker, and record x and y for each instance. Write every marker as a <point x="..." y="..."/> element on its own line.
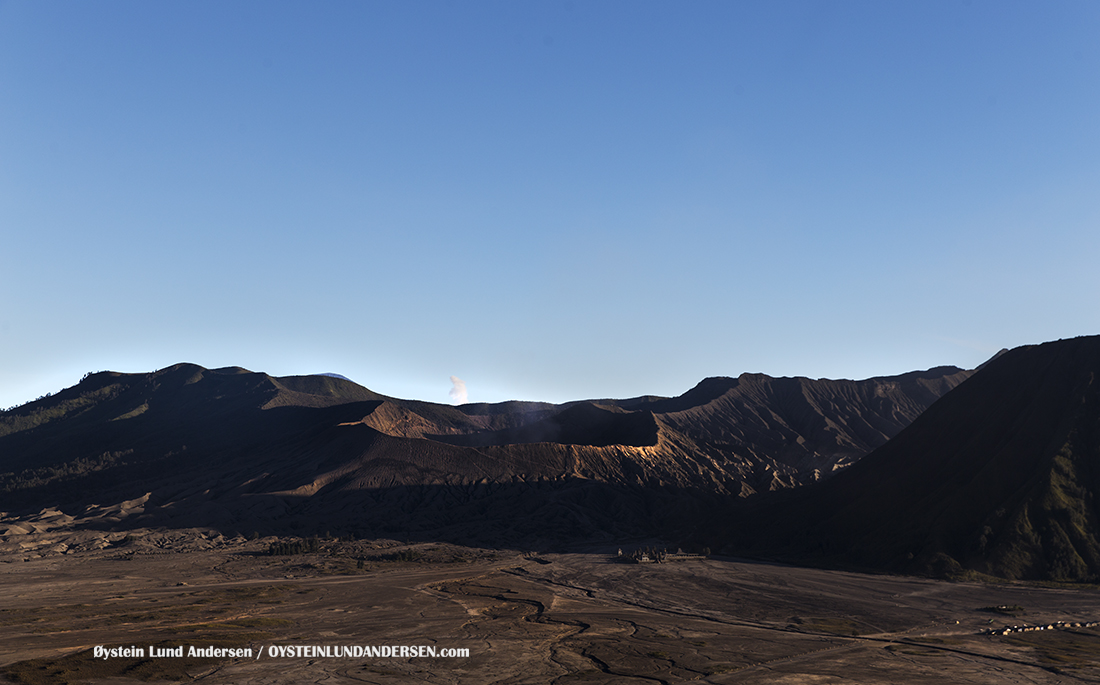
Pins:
<point x="458" y="392"/>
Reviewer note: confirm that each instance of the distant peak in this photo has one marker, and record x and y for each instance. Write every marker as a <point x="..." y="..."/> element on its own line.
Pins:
<point x="182" y="365"/>
<point x="230" y="370"/>
<point x="336" y="375"/>
<point x="987" y="361"/>
<point x="749" y="376"/>
<point x="717" y="382"/>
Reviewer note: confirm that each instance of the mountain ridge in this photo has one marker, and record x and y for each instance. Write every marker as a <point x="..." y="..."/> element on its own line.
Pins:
<point x="196" y="439"/>
<point x="1000" y="477"/>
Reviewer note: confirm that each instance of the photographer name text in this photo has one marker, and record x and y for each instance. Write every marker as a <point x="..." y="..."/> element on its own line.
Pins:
<point x="280" y="652"/>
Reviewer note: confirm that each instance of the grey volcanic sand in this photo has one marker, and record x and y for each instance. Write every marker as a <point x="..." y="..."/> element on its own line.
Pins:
<point x="526" y="618"/>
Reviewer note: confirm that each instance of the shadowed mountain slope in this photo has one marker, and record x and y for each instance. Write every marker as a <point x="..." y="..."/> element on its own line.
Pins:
<point x="232" y="448"/>
<point x="580" y="424"/>
<point x="1001" y="476"/>
<point x="749" y="433"/>
<point x="800" y="428"/>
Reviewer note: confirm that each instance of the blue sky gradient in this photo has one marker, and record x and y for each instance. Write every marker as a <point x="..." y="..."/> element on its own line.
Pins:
<point x="549" y="200"/>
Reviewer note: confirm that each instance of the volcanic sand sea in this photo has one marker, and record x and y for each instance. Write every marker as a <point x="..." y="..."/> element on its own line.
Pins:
<point x="525" y="617"/>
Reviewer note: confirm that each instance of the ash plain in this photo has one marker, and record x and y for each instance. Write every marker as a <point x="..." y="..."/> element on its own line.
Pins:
<point x="525" y="617"/>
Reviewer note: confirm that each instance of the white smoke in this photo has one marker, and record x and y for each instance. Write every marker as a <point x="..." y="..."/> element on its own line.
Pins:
<point x="458" y="392"/>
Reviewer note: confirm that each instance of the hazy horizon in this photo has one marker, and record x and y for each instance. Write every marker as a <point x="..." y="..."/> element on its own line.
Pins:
<point x="457" y="394"/>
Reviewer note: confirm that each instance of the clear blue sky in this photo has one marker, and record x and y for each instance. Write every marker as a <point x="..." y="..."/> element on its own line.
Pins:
<point x="548" y="200"/>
